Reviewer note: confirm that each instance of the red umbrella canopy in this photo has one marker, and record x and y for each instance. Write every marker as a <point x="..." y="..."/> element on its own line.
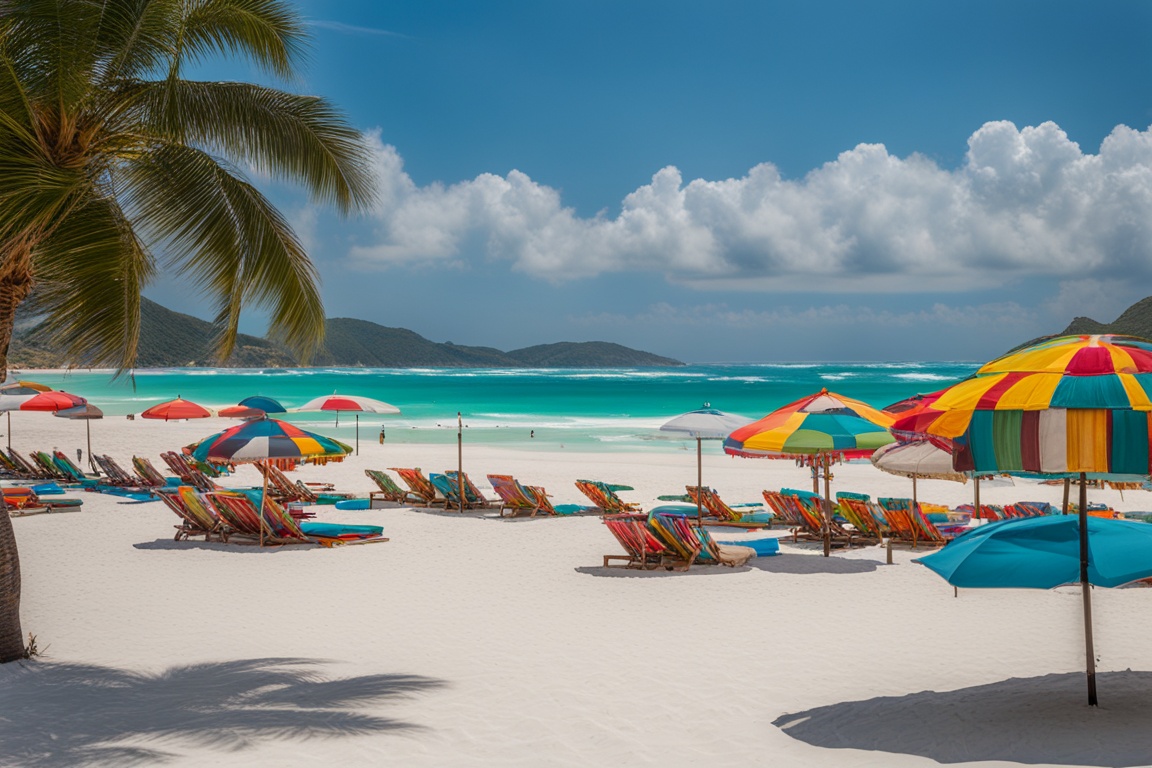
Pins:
<point x="240" y="412"/>
<point x="176" y="409"/>
<point x="348" y="403"/>
<point x="46" y="401"/>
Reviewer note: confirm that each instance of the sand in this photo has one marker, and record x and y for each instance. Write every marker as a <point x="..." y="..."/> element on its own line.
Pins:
<point x="470" y="640"/>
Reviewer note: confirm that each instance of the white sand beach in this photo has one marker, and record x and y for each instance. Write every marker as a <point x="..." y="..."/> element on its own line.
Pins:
<point x="470" y="640"/>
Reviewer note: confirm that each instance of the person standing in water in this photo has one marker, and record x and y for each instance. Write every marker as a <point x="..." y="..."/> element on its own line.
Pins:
<point x="381" y="435"/>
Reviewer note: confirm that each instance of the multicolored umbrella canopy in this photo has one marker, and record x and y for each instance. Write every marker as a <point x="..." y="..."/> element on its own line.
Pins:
<point x="23" y="388"/>
<point x="1066" y="404"/>
<point x="266" y="404"/>
<point x="176" y="409"/>
<point x="267" y="439"/>
<point x="823" y="423"/>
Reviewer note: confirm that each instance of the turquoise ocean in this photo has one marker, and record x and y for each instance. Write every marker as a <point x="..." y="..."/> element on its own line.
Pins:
<point x="582" y="409"/>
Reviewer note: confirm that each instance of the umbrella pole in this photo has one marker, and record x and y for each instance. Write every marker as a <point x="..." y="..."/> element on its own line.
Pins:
<point x="263" y="496"/>
<point x="1089" y="651"/>
<point x="1067" y="486"/>
<point x="460" y="458"/>
<point x="827" y="510"/>
<point x="976" y="489"/>
<point x="699" y="482"/>
<point x="357" y="434"/>
<point x="88" y="429"/>
<point x="9" y="430"/>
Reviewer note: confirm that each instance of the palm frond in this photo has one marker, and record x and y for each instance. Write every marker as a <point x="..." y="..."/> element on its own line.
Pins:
<point x="303" y="139"/>
<point x="136" y="38"/>
<point x="89" y="273"/>
<point x="268" y="32"/>
<point x="218" y="230"/>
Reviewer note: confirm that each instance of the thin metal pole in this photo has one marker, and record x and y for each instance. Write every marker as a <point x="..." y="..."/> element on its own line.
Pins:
<point x="88" y="429"/>
<point x="1089" y="651"/>
<point x="699" y="482"/>
<point x="827" y="511"/>
<point x="357" y="434"/>
<point x="460" y="458"/>
<point x="9" y="430"/>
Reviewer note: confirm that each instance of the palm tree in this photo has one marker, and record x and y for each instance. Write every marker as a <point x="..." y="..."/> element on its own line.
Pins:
<point x="113" y="164"/>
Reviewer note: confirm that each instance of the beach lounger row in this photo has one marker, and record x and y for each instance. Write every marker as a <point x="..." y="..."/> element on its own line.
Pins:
<point x="227" y="514"/>
<point x="668" y="539"/>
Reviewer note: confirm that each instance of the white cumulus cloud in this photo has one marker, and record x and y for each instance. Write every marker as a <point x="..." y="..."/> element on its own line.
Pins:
<point x="1024" y="202"/>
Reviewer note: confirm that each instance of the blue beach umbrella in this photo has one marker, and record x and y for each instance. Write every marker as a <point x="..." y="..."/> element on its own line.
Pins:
<point x="1044" y="552"/>
<point x="266" y="404"/>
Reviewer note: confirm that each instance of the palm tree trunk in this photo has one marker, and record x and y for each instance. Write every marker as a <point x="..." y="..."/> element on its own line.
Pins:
<point x="11" y="635"/>
<point x="15" y="284"/>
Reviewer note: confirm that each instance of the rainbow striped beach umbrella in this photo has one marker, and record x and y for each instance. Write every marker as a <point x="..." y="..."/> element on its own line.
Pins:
<point x="1064" y="404"/>
<point x="262" y="439"/>
<point x="1068" y="404"/>
<point x="823" y="423"/>
<point x="818" y="428"/>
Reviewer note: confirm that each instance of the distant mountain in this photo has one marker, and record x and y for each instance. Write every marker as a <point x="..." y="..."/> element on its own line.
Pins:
<point x="1134" y="321"/>
<point x="167" y="339"/>
<point x="171" y="340"/>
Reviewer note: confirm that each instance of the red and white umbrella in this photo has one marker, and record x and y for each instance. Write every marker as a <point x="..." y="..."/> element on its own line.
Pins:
<point x="351" y="403"/>
<point x="50" y="401"/>
<point x="176" y="409"/>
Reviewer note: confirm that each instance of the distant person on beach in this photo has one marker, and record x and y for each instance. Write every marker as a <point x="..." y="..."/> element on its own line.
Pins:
<point x="532" y="433"/>
<point x="381" y="435"/>
<point x="79" y="456"/>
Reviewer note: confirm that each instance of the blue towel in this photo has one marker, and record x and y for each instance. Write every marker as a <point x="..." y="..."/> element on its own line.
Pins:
<point x="333" y="530"/>
<point x="763" y="547"/>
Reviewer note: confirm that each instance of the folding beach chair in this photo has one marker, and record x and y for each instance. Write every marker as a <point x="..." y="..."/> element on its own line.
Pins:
<point x="643" y="550"/>
<point x="520" y="498"/>
<point x="148" y="474"/>
<point x="731" y="516"/>
<point x="196" y="518"/>
<point x="48" y="469"/>
<point x="603" y="496"/>
<point x="419" y="487"/>
<point x="473" y="498"/>
<point x="388" y="490"/>
<point x="24" y="501"/>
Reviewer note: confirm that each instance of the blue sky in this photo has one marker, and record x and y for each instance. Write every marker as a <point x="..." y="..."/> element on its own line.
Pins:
<point x="736" y="181"/>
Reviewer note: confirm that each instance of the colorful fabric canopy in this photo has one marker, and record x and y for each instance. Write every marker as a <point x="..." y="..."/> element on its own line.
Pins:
<point x="267" y="439"/>
<point x="240" y="412"/>
<point x="821" y="423"/>
<point x="1066" y="404"/>
<point x="176" y="409"/>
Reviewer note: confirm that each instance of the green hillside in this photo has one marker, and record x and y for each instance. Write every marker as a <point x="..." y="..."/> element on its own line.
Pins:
<point x="172" y="340"/>
<point x="1134" y="321"/>
<point x="588" y="354"/>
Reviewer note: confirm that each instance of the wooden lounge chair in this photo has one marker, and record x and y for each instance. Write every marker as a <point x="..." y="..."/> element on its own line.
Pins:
<point x="197" y="518"/>
<point x="24" y="469"/>
<point x="784" y="507"/>
<point x="643" y="550"/>
<point x="8" y="468"/>
<point x="604" y="497"/>
<point x="388" y="490"/>
<point x="47" y="468"/>
<point x="187" y="472"/>
<point x="724" y="514"/>
<point x="473" y="498"/>
<point x="420" y="488"/>
<point x="813" y="521"/>
<point x="691" y="543"/>
<point x="148" y="474"/>
<point x="24" y="501"/>
<point x="992" y="512"/>
<point x="447" y="492"/>
<point x="908" y="524"/>
<point x="280" y="527"/>
<point x="520" y="498"/>
<point x="72" y="473"/>
<point x="1029" y="509"/>
<point x="864" y="516"/>
<point x="116" y="475"/>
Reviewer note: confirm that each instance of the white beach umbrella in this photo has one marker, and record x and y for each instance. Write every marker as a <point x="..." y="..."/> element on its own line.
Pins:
<point x="706" y="423"/>
<point x="917" y="459"/>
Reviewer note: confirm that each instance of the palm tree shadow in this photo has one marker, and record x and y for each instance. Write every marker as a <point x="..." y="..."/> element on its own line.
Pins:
<point x="1039" y="720"/>
<point x="58" y="714"/>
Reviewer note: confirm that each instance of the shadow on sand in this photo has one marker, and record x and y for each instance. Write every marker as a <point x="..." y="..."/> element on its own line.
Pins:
<point x="658" y="573"/>
<point x="73" y="714"/>
<point x="809" y="564"/>
<point x="236" y="544"/>
<point x="1022" y="720"/>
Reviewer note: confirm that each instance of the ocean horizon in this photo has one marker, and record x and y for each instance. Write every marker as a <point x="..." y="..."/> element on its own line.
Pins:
<point x="592" y="409"/>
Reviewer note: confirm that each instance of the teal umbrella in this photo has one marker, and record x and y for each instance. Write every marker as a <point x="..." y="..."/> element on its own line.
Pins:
<point x="1044" y="552"/>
